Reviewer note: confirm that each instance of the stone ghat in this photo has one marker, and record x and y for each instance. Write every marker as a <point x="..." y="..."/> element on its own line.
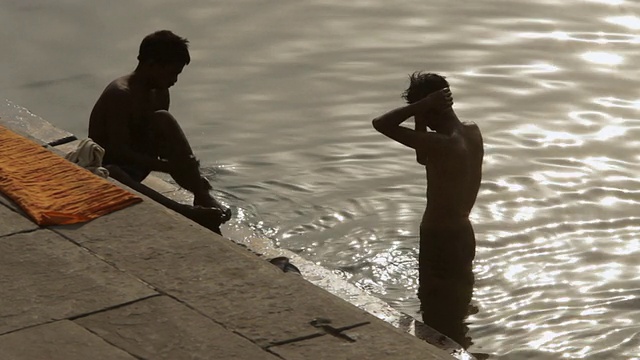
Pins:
<point x="146" y="283"/>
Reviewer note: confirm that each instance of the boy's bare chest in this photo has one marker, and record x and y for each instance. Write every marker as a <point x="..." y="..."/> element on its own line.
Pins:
<point x="144" y="105"/>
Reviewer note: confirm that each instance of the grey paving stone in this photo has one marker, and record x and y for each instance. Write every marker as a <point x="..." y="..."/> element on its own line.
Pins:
<point x="12" y="222"/>
<point x="162" y="328"/>
<point x="6" y="201"/>
<point x="364" y="342"/>
<point x="217" y="277"/>
<point x="207" y="271"/>
<point x="61" y="340"/>
<point x="45" y="277"/>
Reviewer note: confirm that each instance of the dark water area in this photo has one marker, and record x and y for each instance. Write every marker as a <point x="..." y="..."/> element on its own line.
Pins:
<point x="278" y="102"/>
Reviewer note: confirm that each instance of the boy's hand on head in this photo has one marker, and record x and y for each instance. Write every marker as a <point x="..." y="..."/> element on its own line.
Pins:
<point x="436" y="101"/>
<point x="441" y="99"/>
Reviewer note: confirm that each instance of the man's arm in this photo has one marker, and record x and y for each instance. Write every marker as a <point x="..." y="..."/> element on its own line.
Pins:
<point x="117" y="117"/>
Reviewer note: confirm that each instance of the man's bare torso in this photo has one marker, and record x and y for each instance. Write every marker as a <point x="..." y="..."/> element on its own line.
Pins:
<point x="134" y="104"/>
<point x="453" y="180"/>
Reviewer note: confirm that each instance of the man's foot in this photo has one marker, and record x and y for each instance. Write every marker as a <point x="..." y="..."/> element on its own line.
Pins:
<point x="226" y="215"/>
<point x="206" y="200"/>
<point x="203" y="197"/>
<point x="211" y="218"/>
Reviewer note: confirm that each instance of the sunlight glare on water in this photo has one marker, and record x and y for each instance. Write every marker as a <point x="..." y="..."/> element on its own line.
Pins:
<point x="278" y="102"/>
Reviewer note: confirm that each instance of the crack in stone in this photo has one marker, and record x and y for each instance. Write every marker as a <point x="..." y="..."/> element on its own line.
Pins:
<point x="114" y="307"/>
<point x="20" y="232"/>
<point x="110" y="343"/>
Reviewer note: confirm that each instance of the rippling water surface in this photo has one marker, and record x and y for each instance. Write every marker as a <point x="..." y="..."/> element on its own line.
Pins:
<point x="278" y="102"/>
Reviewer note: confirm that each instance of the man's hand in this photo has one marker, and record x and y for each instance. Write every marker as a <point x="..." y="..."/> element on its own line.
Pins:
<point x="436" y="101"/>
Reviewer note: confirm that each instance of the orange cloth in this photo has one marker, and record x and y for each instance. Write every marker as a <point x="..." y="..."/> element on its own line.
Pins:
<point x="52" y="190"/>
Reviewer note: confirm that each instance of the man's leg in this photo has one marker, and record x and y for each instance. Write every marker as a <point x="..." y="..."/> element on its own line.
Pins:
<point x="172" y="145"/>
<point x="211" y="218"/>
<point x="445" y="285"/>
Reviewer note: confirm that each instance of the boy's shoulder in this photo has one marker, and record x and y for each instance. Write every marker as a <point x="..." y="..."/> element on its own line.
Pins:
<point x="120" y="84"/>
<point x="118" y="89"/>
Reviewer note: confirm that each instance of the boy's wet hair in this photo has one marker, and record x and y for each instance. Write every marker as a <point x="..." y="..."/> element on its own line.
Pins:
<point x="164" y="47"/>
<point x="422" y="84"/>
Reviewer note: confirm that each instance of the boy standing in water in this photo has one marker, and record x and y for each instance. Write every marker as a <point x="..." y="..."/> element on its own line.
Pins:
<point x="452" y="155"/>
<point x="131" y="121"/>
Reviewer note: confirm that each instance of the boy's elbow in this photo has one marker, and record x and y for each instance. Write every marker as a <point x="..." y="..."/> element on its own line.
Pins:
<point x="376" y="124"/>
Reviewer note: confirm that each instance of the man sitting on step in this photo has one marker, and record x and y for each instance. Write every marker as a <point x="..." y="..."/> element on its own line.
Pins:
<point x="132" y="122"/>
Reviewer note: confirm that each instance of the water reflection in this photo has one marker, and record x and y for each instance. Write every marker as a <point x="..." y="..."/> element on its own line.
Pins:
<point x="446" y="281"/>
<point x="445" y="304"/>
<point x="603" y="58"/>
<point x="560" y="197"/>
<point x="630" y="22"/>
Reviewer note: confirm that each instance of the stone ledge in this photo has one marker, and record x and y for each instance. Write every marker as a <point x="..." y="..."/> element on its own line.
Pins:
<point x="162" y="327"/>
<point x="61" y="340"/>
<point x="223" y="281"/>
<point x="11" y="222"/>
<point x="228" y="284"/>
<point x="32" y="126"/>
<point x="45" y="278"/>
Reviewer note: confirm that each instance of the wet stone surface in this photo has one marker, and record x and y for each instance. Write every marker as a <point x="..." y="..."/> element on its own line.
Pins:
<point x="46" y="277"/>
<point x="11" y="222"/>
<point x="61" y="340"/>
<point x="20" y="120"/>
<point x="161" y="327"/>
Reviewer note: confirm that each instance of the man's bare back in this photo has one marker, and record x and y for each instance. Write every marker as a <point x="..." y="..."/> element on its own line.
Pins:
<point x="453" y="180"/>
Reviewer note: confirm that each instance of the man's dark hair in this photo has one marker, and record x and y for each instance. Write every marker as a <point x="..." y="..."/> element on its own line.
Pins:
<point x="422" y="84"/>
<point x="164" y="47"/>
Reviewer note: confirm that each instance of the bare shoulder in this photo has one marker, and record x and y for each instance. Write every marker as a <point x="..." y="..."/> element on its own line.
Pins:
<point x="470" y="125"/>
<point x="118" y="86"/>
<point x="118" y="91"/>
<point x="473" y="137"/>
<point x="472" y="130"/>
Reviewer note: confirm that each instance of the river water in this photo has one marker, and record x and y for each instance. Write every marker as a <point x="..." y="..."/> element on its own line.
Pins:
<point x="278" y="102"/>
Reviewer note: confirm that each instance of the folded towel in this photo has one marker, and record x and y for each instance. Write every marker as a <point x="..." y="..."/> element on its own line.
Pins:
<point x="52" y="190"/>
<point x="89" y="155"/>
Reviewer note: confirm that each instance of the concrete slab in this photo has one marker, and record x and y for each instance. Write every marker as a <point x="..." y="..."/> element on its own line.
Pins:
<point x="4" y="200"/>
<point x="163" y="328"/>
<point x="12" y="222"/>
<point x="324" y="278"/>
<point x="46" y="277"/>
<point x="61" y="340"/>
<point x="220" y="279"/>
<point x="318" y="275"/>
<point x="212" y="282"/>
<point x="364" y="342"/>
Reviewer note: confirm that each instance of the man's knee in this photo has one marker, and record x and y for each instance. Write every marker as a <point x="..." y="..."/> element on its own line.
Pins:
<point x="164" y="119"/>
